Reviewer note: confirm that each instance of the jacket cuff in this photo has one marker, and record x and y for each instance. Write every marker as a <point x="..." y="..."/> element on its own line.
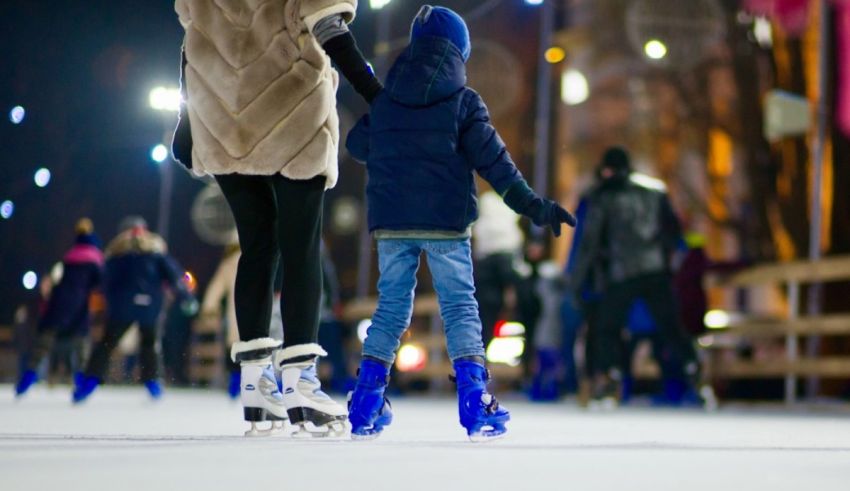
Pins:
<point x="346" y="8"/>
<point x="519" y="196"/>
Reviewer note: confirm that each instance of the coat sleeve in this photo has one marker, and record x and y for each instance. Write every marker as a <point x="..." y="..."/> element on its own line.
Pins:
<point x="357" y="141"/>
<point x="483" y="148"/>
<point x="312" y="11"/>
<point x="588" y="247"/>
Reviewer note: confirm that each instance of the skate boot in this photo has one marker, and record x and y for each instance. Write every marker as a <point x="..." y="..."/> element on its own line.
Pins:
<point x="261" y="399"/>
<point x="310" y="410"/>
<point x="479" y="410"/>
<point x="154" y="389"/>
<point x="27" y="380"/>
<point x="84" y="388"/>
<point x="368" y="410"/>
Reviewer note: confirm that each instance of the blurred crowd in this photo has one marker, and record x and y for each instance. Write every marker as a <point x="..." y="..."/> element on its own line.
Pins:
<point x="633" y="277"/>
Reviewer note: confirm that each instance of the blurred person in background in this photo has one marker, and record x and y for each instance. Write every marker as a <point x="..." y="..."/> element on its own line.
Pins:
<point x="218" y="311"/>
<point x="138" y="269"/>
<point x="629" y="236"/>
<point x="539" y="299"/>
<point x="65" y="316"/>
<point x="497" y="248"/>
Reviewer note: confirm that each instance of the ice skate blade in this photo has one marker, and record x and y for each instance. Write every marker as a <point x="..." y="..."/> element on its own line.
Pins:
<point x="277" y="427"/>
<point x="372" y="434"/>
<point x="485" y="437"/>
<point x="306" y="431"/>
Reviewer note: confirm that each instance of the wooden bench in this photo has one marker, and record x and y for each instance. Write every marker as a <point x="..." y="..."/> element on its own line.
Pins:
<point x="793" y="326"/>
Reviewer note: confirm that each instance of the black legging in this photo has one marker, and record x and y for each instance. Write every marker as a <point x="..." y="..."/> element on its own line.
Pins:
<point x="277" y="218"/>
<point x="148" y="350"/>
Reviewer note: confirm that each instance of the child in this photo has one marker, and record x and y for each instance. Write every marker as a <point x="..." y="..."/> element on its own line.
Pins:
<point x="66" y="314"/>
<point x="425" y="135"/>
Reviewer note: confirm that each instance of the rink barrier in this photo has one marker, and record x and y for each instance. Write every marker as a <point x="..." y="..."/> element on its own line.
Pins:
<point x="794" y="326"/>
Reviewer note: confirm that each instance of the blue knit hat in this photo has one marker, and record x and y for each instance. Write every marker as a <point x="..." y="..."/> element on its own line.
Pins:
<point x="444" y="23"/>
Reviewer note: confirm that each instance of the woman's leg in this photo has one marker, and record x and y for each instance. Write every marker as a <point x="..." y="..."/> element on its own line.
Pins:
<point x="149" y="352"/>
<point x="99" y="361"/>
<point x="254" y="207"/>
<point x="299" y="229"/>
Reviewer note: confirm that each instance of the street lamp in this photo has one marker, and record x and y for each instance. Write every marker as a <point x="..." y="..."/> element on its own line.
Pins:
<point x="165" y="100"/>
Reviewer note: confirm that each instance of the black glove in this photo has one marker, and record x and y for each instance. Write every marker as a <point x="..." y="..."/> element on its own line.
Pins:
<point x="542" y="212"/>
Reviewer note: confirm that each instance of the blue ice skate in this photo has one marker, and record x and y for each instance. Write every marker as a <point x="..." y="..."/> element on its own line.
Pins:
<point x="84" y="389"/>
<point x="479" y="410"/>
<point x="368" y="410"/>
<point x="27" y="380"/>
<point x="154" y="389"/>
<point x="234" y="386"/>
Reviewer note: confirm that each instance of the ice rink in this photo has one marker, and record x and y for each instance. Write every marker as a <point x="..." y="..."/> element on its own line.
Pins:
<point x="192" y="441"/>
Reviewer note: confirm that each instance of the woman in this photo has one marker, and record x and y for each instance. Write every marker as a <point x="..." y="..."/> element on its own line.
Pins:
<point x="260" y="116"/>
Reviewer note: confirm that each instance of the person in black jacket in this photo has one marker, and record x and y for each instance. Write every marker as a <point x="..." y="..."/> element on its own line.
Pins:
<point x="629" y="236"/>
<point x="137" y="268"/>
<point x="425" y="137"/>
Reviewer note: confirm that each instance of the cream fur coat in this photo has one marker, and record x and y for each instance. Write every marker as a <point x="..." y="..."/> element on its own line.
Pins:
<point x="261" y="91"/>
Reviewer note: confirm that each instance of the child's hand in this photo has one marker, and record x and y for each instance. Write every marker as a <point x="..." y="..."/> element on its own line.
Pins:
<point x="553" y="215"/>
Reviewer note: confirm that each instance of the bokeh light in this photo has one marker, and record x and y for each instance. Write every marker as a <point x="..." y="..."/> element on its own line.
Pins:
<point x="30" y="280"/>
<point x="574" y="87"/>
<point x="378" y="4"/>
<point x="17" y="115"/>
<point x="159" y="153"/>
<point x="655" y="49"/>
<point x="7" y="209"/>
<point x="42" y="177"/>
<point x="555" y="54"/>
<point x="165" y="99"/>
<point x="411" y="358"/>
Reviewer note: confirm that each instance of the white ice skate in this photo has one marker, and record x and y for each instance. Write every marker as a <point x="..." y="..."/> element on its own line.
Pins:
<point x="310" y="410"/>
<point x="261" y="398"/>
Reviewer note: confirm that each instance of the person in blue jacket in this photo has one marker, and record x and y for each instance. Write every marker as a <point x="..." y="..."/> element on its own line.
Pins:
<point x="137" y="268"/>
<point x="423" y="140"/>
<point x="66" y="314"/>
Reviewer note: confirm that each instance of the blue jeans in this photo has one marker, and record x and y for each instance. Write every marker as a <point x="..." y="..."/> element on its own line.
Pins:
<point x="450" y="262"/>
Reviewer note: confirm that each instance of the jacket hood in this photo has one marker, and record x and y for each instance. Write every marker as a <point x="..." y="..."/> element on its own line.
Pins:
<point x="430" y="70"/>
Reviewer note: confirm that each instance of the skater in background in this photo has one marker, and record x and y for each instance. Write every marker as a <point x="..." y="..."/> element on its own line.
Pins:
<point x="268" y="132"/>
<point x="220" y="297"/>
<point x="629" y="236"/>
<point x="422" y="140"/>
<point x="65" y="317"/>
<point x="497" y="248"/>
<point x="137" y="270"/>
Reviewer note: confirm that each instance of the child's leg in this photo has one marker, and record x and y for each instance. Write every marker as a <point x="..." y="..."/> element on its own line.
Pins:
<point x="451" y="268"/>
<point x="450" y="262"/>
<point x="398" y="261"/>
<point x="368" y="410"/>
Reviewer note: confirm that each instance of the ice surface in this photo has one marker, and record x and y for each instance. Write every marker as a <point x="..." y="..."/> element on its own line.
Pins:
<point x="192" y="440"/>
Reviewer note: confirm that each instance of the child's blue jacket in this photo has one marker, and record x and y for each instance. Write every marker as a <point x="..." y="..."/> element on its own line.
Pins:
<point x="425" y="135"/>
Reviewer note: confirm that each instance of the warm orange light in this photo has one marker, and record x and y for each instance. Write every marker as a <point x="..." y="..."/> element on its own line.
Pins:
<point x="190" y="281"/>
<point x="555" y="54"/>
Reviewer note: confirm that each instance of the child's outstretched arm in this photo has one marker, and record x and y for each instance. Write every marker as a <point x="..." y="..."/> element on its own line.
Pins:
<point x="487" y="154"/>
